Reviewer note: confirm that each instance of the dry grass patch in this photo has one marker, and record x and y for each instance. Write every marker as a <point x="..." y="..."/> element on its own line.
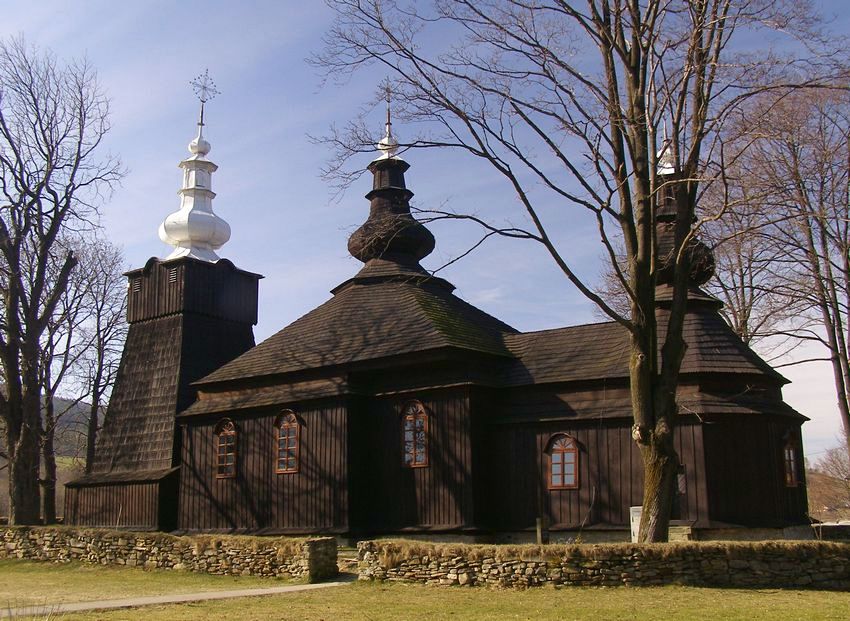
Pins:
<point x="34" y="583"/>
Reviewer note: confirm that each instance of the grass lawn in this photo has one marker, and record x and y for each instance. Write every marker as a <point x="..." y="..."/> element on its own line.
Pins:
<point x="29" y="583"/>
<point x="37" y="585"/>
<point x="373" y="602"/>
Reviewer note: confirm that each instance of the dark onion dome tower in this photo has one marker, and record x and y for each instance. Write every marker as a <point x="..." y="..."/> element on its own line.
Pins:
<point x="390" y="334"/>
<point x="189" y="313"/>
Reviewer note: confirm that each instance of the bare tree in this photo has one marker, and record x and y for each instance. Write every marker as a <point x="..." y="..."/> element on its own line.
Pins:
<point x="751" y="265"/>
<point x="60" y="349"/>
<point x="53" y="119"/>
<point x="81" y="349"/>
<point x="567" y="104"/>
<point x="105" y="332"/>
<point x="833" y="495"/>
<point x="798" y="165"/>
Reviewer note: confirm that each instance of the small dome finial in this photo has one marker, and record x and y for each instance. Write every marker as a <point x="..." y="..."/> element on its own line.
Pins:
<point x="388" y="144"/>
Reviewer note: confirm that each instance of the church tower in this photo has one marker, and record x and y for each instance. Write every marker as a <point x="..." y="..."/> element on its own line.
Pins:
<point x="189" y="313"/>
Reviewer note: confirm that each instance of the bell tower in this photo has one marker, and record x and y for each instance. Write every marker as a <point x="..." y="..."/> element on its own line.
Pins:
<point x="189" y="313"/>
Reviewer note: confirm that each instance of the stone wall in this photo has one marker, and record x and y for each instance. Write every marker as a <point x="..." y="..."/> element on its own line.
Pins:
<point x="823" y="565"/>
<point x="308" y="559"/>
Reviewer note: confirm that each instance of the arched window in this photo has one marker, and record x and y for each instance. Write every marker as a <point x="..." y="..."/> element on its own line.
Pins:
<point x="789" y="457"/>
<point x="415" y="435"/>
<point x="563" y="463"/>
<point x="225" y="464"/>
<point x="288" y="439"/>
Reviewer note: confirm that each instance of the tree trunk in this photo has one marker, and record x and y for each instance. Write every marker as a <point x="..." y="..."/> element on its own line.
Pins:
<point x="48" y="453"/>
<point x="91" y="432"/>
<point x="24" y="497"/>
<point x="660" y="467"/>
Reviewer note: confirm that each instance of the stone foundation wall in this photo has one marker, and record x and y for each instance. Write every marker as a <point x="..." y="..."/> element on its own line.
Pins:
<point x="823" y="565"/>
<point x="309" y="559"/>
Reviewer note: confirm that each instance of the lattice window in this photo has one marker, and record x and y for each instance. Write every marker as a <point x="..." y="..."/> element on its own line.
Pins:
<point x="789" y="455"/>
<point x="288" y="440"/>
<point x="415" y="435"/>
<point x="563" y="463"/>
<point x="225" y="465"/>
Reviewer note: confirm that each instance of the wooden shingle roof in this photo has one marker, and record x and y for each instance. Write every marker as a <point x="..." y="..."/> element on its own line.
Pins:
<point x="369" y="318"/>
<point x="601" y="350"/>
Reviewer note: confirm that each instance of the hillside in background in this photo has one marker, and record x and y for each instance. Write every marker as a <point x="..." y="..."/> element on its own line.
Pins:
<point x="70" y="438"/>
<point x="829" y="497"/>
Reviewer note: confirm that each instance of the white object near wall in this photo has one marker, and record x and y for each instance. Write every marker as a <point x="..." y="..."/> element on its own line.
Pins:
<point x="634" y="520"/>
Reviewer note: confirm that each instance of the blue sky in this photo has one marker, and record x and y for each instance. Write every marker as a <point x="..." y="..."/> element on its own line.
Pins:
<point x="287" y="223"/>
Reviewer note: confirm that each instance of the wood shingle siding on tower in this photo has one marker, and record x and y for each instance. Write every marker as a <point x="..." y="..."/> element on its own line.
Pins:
<point x="186" y="319"/>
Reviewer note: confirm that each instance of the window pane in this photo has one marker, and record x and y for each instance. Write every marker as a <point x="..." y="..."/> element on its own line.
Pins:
<point x="420" y="458"/>
<point x="556" y="469"/>
<point x="570" y="468"/>
<point x="557" y="457"/>
<point x="569" y="479"/>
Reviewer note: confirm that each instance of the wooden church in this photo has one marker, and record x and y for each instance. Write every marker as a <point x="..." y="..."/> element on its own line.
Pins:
<point x="396" y="407"/>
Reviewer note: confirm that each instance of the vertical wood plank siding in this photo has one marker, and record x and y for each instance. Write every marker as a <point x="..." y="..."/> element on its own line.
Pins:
<point x="610" y="475"/>
<point x="436" y="497"/>
<point x="314" y="499"/>
<point x="743" y="486"/>
<point x="124" y="505"/>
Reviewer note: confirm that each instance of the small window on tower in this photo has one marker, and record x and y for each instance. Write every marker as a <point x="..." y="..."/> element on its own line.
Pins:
<point x="415" y="435"/>
<point x="137" y="285"/>
<point x="172" y="275"/>
<point x="288" y="440"/>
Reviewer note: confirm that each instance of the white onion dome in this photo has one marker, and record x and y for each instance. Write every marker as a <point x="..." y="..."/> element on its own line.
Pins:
<point x="195" y="230"/>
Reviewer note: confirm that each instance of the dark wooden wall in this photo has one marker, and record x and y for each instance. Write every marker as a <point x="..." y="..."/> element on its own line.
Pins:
<point x="314" y="499"/>
<point x="746" y="482"/>
<point x="392" y="497"/>
<point x="514" y="465"/>
<point x="118" y="505"/>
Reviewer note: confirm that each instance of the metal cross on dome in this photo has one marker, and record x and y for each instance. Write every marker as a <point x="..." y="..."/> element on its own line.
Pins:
<point x="205" y="90"/>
